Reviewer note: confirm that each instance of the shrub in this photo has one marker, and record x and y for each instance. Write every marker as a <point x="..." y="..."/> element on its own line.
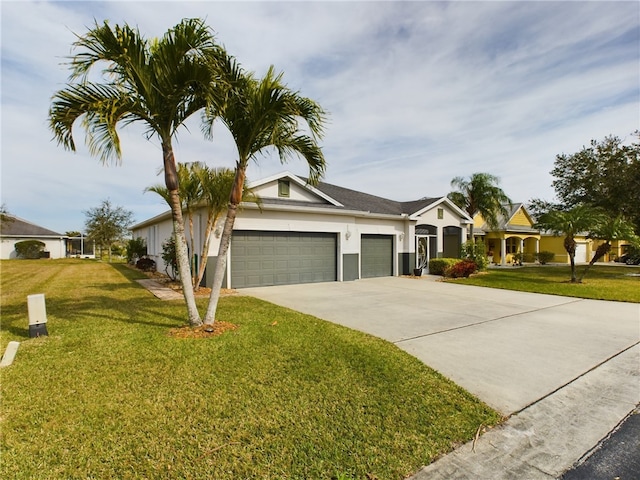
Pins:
<point x="146" y="265"/>
<point x="545" y="257"/>
<point x="437" y="266"/>
<point x="475" y="251"/>
<point x="463" y="268"/>
<point x="29" y="248"/>
<point x="136" y="248"/>
<point x="170" y="258"/>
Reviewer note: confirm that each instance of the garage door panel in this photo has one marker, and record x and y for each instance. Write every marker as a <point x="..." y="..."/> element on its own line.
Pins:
<point x="376" y="255"/>
<point x="280" y="258"/>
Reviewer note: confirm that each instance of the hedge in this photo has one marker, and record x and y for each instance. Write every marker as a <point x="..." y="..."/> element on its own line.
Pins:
<point x="437" y="266"/>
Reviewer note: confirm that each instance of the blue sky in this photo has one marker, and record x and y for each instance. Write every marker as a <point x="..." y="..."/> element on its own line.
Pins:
<point x="418" y="93"/>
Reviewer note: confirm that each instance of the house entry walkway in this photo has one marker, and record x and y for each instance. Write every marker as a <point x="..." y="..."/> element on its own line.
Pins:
<point x="565" y="369"/>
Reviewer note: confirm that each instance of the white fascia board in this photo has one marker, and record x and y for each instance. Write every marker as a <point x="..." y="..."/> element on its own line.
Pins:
<point x="299" y="181"/>
<point x="450" y="204"/>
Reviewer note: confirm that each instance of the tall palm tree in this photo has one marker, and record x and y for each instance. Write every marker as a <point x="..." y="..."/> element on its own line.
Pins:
<point x="480" y="194"/>
<point x="260" y="114"/>
<point x="579" y="219"/>
<point x="159" y="83"/>
<point x="608" y="229"/>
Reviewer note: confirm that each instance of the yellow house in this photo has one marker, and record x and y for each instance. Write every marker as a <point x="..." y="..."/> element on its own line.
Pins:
<point x="513" y="235"/>
<point x="515" y="240"/>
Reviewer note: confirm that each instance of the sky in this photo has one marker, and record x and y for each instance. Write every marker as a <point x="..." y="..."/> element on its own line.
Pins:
<point x="417" y="94"/>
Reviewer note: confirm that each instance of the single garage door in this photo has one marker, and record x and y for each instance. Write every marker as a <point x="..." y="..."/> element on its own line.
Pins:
<point x="282" y="258"/>
<point x="376" y="252"/>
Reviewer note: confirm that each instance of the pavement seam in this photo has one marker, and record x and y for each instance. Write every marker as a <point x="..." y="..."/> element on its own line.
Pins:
<point x="485" y="321"/>
<point x="576" y="378"/>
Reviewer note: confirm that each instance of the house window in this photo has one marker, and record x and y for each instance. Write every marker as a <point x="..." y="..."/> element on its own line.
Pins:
<point x="440" y="213"/>
<point x="512" y="245"/>
<point x="283" y="188"/>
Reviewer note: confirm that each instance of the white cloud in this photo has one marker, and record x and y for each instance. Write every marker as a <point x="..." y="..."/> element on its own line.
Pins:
<point x="418" y="92"/>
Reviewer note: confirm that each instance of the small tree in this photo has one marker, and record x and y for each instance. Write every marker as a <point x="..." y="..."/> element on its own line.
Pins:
<point x="136" y="249"/>
<point x="608" y="229"/>
<point x="579" y="219"/>
<point x="29" y="248"/>
<point x="170" y="258"/>
<point x="475" y="251"/>
<point x="107" y="224"/>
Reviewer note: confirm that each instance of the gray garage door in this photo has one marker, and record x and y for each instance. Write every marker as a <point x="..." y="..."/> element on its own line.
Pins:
<point x="377" y="255"/>
<point x="282" y="258"/>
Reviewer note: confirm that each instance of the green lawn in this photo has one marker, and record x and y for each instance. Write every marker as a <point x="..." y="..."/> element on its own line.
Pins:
<point x="602" y="282"/>
<point x="109" y="394"/>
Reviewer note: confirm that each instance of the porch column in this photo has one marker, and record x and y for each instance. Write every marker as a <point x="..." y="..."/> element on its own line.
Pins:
<point x="521" y="246"/>
<point x="503" y="251"/>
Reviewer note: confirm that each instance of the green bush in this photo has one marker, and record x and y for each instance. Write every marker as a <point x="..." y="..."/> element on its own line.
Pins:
<point x="476" y="252"/>
<point x="29" y="248"/>
<point x="545" y="257"/>
<point x="136" y="249"/>
<point x="462" y="268"/>
<point x="437" y="266"/>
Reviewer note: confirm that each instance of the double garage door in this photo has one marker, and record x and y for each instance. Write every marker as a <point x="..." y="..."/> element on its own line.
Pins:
<point x="282" y="258"/>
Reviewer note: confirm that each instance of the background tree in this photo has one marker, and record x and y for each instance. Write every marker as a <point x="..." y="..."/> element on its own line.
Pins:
<point x="5" y="216"/>
<point x="260" y="114"/>
<point x="158" y="83"/>
<point x="136" y="249"/>
<point x="107" y="224"/>
<point x="605" y="174"/>
<point x="579" y="219"/>
<point x="480" y="194"/>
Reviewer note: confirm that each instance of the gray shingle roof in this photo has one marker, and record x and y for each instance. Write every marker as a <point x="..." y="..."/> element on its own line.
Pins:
<point x="16" y="227"/>
<point x="355" y="200"/>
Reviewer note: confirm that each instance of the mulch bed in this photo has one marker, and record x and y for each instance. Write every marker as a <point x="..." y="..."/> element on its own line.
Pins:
<point x="199" y="332"/>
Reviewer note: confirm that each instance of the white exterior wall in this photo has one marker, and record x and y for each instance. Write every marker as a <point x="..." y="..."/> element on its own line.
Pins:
<point x="55" y="247"/>
<point x="450" y="218"/>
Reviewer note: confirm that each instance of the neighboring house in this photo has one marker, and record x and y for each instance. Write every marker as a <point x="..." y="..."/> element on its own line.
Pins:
<point x="304" y="234"/>
<point x="515" y="234"/>
<point x="16" y="230"/>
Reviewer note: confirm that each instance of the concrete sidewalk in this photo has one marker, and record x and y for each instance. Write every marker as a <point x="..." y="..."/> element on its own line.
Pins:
<point x="564" y="369"/>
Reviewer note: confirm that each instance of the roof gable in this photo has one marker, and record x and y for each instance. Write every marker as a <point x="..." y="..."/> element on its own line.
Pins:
<point x="300" y="191"/>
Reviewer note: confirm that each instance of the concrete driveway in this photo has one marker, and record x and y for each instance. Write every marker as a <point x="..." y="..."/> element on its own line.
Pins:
<point x="508" y="348"/>
<point x="567" y="369"/>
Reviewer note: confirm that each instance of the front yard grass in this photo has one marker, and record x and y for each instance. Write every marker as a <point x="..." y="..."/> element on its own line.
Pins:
<point x="603" y="282"/>
<point x="110" y="394"/>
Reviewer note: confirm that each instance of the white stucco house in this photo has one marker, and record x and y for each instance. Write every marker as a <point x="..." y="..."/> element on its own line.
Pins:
<point x="321" y="233"/>
<point x="16" y="230"/>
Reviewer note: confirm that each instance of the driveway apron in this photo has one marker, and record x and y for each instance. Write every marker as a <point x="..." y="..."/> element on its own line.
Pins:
<point x="508" y="348"/>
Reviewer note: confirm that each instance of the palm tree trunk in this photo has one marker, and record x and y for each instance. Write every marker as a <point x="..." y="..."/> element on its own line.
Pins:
<point x="182" y="256"/>
<point x="205" y="247"/>
<point x="225" y="240"/>
<point x="192" y="256"/>
<point x="601" y="251"/>
<point x="570" y="247"/>
<point x="221" y="265"/>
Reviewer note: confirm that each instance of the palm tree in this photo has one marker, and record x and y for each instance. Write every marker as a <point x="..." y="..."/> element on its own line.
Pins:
<point x="216" y="185"/>
<point x="190" y="192"/>
<point x="579" y="219"/>
<point x="480" y="194"/>
<point x="609" y="228"/>
<point x="260" y="114"/>
<point x="159" y="83"/>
